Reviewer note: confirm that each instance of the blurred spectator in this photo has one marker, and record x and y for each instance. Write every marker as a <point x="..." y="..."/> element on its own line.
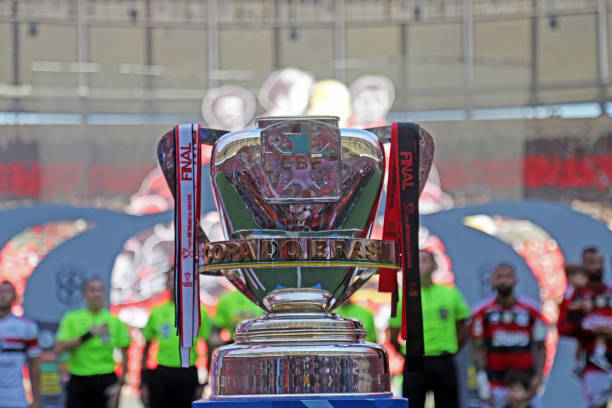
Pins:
<point x="576" y="280"/>
<point x="519" y="384"/>
<point x="170" y="384"/>
<point x="371" y="97"/>
<point x="330" y="97"/>
<point x="229" y="107"/>
<point x="286" y="92"/>
<point x="352" y="310"/>
<point x="445" y="315"/>
<point x="233" y="307"/>
<point x="507" y="335"/>
<point x="90" y="336"/>
<point x="586" y="314"/>
<point x="18" y="343"/>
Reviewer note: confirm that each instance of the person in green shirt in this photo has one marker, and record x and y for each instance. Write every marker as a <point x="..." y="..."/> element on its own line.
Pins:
<point x="170" y="384"/>
<point x="445" y="330"/>
<point x="233" y="307"/>
<point x="90" y="336"/>
<point x="352" y="310"/>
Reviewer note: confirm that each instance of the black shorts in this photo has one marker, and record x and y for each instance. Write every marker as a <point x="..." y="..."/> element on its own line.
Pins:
<point x="440" y="376"/>
<point x="89" y="390"/>
<point x="172" y="386"/>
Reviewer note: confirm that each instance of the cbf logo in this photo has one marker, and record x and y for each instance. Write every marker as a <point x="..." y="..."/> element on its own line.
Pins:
<point x="301" y="162"/>
<point x="68" y="285"/>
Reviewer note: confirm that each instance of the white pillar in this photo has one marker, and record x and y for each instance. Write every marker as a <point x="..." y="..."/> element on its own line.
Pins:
<point x="340" y="40"/>
<point x="603" y="67"/>
<point x="213" y="43"/>
<point x="468" y="54"/>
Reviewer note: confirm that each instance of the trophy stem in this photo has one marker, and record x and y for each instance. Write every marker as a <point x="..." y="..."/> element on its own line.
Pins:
<point x="297" y="300"/>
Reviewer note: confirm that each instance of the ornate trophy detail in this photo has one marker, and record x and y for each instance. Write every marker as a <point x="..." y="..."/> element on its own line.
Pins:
<point x="297" y="198"/>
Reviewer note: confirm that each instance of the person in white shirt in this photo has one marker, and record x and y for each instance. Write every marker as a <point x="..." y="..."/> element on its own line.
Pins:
<point x="18" y="344"/>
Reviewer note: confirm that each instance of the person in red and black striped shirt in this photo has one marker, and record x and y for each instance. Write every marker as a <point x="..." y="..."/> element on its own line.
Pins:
<point x="586" y="314"/>
<point x="507" y="335"/>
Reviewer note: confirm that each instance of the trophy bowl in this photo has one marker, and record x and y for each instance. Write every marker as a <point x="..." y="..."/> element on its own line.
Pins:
<point x="297" y="198"/>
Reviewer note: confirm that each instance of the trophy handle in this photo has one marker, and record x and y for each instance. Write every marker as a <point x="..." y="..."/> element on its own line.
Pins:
<point x="166" y="157"/>
<point x="382" y="132"/>
<point x="210" y="136"/>
<point x="426" y="149"/>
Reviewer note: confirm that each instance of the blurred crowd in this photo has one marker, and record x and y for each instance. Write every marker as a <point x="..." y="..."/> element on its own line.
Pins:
<point x="506" y="334"/>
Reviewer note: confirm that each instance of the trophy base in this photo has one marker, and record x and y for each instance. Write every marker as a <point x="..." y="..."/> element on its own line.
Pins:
<point x="268" y="401"/>
<point x="298" y="355"/>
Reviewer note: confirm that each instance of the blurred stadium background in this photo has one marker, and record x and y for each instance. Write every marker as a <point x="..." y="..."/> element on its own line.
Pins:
<point x="516" y="93"/>
<point x="80" y="73"/>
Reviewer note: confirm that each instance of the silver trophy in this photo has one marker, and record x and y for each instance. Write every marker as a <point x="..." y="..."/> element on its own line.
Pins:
<point x="297" y="198"/>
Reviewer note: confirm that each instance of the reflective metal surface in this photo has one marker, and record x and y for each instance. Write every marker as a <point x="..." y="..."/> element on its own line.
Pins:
<point x="299" y="252"/>
<point x="165" y="155"/>
<point x="316" y="181"/>
<point x="298" y="178"/>
<point x="293" y="354"/>
<point x="297" y="197"/>
<point x="287" y="300"/>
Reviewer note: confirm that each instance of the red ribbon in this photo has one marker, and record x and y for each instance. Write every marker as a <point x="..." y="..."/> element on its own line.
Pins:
<point x="387" y="281"/>
<point x="402" y="226"/>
